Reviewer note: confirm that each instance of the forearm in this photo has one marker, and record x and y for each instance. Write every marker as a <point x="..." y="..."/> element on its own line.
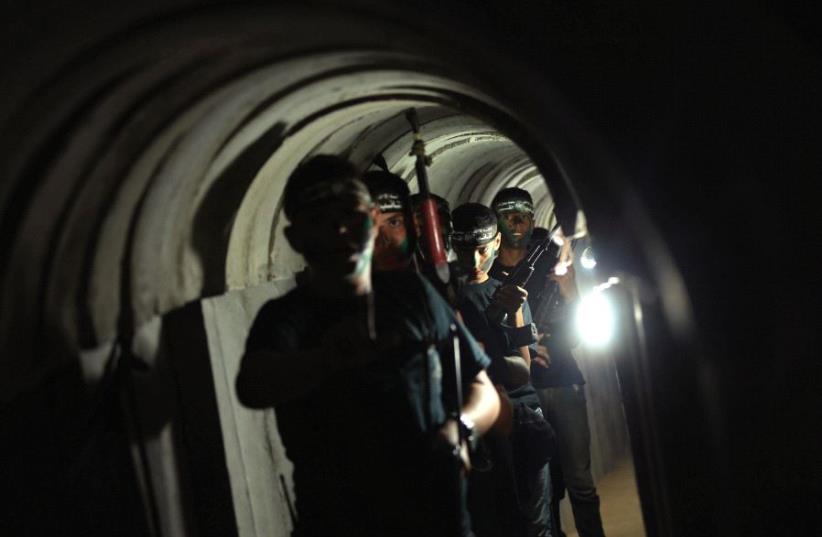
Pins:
<point x="517" y="372"/>
<point x="267" y="378"/>
<point x="481" y="403"/>
<point x="519" y="321"/>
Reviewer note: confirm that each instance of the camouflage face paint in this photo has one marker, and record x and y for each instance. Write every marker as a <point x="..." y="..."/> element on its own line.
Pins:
<point x="489" y="262"/>
<point x="508" y="238"/>
<point x="368" y="251"/>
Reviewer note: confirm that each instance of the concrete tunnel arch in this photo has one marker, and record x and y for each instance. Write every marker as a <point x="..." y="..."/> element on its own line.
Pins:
<point x="207" y="221"/>
<point x="154" y="180"/>
<point x="155" y="160"/>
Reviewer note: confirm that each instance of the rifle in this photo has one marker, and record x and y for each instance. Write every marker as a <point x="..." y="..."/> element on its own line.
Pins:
<point x="432" y="240"/>
<point x="520" y="276"/>
<point x="434" y="248"/>
<point x="546" y="312"/>
<point x="457" y="466"/>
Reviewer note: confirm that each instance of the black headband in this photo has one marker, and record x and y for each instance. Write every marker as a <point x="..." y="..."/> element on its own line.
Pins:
<point x="389" y="201"/>
<point x="475" y="237"/>
<point x="514" y="206"/>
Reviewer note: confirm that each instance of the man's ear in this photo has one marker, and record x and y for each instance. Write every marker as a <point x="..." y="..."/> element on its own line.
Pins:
<point x="294" y="238"/>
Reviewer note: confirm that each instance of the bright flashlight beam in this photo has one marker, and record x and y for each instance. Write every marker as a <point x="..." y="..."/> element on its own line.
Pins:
<point x="595" y="320"/>
<point x="588" y="261"/>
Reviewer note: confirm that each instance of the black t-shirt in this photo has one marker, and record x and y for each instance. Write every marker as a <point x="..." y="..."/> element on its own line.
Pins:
<point x="564" y="370"/>
<point x="360" y="443"/>
<point x="472" y="301"/>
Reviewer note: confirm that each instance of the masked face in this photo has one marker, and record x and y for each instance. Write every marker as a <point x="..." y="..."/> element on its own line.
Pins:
<point x="336" y="238"/>
<point x="475" y="262"/>
<point x="392" y="250"/>
<point x="516" y="229"/>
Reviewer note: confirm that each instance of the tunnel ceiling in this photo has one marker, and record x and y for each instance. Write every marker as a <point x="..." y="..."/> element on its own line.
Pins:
<point x="153" y="215"/>
<point x="151" y="159"/>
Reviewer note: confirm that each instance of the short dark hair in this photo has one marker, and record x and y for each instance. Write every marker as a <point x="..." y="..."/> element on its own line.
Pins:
<point x="513" y="199"/>
<point x="336" y="172"/>
<point x="474" y="224"/>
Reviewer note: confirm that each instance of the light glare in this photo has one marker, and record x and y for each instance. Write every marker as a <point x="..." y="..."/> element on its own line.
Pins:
<point x="588" y="261"/>
<point x="595" y="319"/>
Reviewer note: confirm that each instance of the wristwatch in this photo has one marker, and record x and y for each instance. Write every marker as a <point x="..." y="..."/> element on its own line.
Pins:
<point x="468" y="431"/>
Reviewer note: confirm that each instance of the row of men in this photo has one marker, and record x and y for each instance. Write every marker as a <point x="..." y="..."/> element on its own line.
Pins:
<point x="360" y="362"/>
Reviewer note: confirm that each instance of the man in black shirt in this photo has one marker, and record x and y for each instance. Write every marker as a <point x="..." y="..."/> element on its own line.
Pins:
<point x="352" y="366"/>
<point x="521" y="490"/>
<point x="554" y="370"/>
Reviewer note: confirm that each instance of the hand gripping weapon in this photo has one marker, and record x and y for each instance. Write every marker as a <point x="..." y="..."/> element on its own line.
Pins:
<point x="520" y="275"/>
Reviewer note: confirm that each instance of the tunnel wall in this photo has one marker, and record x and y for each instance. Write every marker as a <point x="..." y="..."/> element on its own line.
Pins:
<point x="152" y="179"/>
<point x="259" y="471"/>
<point x="714" y="105"/>
<point x="165" y="186"/>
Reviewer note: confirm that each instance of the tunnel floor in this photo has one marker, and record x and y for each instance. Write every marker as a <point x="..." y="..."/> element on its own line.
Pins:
<point x="619" y="507"/>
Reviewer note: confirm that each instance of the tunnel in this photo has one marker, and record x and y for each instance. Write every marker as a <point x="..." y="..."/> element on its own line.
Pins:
<point x="145" y="150"/>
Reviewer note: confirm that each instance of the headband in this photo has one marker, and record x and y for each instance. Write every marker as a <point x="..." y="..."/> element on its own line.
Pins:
<point x="474" y="237"/>
<point x="514" y="206"/>
<point x="389" y="201"/>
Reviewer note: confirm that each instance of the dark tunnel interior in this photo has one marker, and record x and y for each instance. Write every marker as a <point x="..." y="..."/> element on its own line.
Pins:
<point x="144" y="153"/>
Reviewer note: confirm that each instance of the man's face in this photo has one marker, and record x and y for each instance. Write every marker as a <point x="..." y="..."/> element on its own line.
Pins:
<point x="516" y="228"/>
<point x="418" y="222"/>
<point x="443" y="227"/>
<point x="475" y="262"/>
<point x="335" y="238"/>
<point x="392" y="250"/>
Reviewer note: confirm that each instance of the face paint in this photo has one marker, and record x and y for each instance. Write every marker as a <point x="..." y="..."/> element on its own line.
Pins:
<point x="511" y="241"/>
<point x="516" y="229"/>
<point x="393" y="245"/>
<point x="486" y="265"/>
<point x="475" y="261"/>
<point x="364" y="262"/>
<point x="337" y="236"/>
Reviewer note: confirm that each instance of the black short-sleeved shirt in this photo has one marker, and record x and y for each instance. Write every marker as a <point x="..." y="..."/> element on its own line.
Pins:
<point x="360" y="443"/>
<point x="472" y="301"/>
<point x="563" y="370"/>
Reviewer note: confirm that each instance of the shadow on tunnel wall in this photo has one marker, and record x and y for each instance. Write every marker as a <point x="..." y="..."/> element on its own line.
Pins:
<point x="141" y="454"/>
<point x="67" y="461"/>
<point x="215" y="215"/>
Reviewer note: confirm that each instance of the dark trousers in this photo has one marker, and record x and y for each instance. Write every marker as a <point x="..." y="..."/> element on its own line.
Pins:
<point x="535" y="504"/>
<point x="507" y="503"/>
<point x="566" y="410"/>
